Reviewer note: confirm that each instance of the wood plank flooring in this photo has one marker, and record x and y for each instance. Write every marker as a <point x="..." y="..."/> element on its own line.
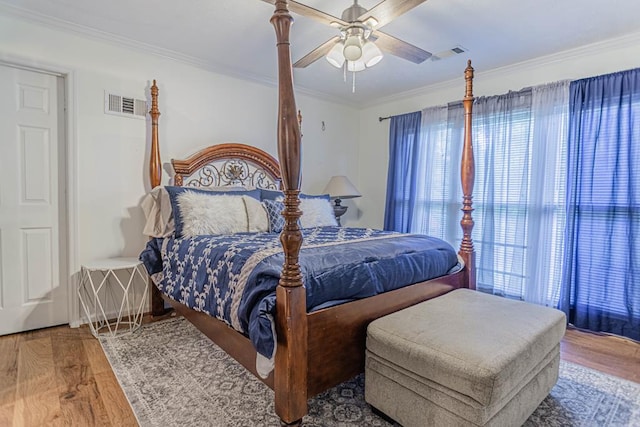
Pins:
<point x="60" y="376"/>
<point x="605" y="353"/>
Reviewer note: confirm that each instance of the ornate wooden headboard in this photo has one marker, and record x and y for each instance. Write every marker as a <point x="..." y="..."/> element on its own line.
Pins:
<point x="229" y="164"/>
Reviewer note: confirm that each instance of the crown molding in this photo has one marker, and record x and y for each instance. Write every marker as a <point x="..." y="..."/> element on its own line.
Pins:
<point x="114" y="39"/>
<point x="60" y="24"/>
<point x="632" y="39"/>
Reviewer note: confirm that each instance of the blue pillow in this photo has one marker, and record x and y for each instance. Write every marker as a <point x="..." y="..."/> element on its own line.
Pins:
<point x="174" y="192"/>
<point x="271" y="194"/>
<point x="315" y="196"/>
<point x="274" y="212"/>
<point x="279" y="195"/>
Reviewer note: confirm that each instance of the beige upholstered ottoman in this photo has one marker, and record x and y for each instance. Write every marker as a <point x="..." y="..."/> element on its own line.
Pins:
<point x="463" y="359"/>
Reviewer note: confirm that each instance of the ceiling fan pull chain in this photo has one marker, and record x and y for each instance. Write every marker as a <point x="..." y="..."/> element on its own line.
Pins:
<point x="344" y="74"/>
<point x="353" y="88"/>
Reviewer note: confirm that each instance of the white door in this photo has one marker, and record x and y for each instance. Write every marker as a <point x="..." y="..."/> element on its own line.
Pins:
<point x="31" y="204"/>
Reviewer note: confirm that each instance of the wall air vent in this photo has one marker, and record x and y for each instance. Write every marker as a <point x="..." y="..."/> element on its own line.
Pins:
<point x="125" y="106"/>
<point x="448" y="53"/>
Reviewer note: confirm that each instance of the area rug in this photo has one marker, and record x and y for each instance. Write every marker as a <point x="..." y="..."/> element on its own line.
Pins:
<point x="173" y="375"/>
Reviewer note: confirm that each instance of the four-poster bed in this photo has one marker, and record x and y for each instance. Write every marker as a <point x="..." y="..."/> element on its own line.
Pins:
<point x="320" y="349"/>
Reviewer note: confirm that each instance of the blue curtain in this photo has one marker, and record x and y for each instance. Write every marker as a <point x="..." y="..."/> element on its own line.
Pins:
<point x="404" y="137"/>
<point x="601" y="276"/>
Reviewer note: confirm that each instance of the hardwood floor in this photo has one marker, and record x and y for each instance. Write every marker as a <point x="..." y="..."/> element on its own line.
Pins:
<point x="605" y="353"/>
<point x="60" y="376"/>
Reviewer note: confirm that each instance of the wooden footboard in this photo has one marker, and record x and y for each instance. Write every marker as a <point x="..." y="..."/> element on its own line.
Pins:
<point x="337" y="335"/>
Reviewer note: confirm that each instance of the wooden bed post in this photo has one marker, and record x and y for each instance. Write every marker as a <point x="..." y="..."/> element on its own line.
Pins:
<point x="155" y="171"/>
<point x="467" y="252"/>
<point x="290" y="382"/>
<point x="155" y="177"/>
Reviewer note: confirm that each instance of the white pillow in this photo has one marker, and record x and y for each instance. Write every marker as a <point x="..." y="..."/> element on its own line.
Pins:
<point x="316" y="212"/>
<point x="156" y="206"/>
<point x="256" y="215"/>
<point x="205" y="214"/>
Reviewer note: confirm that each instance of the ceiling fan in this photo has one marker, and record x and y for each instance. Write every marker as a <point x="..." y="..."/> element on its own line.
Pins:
<point x="360" y="41"/>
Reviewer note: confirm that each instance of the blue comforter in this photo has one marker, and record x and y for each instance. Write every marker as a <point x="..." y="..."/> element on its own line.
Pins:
<point x="234" y="277"/>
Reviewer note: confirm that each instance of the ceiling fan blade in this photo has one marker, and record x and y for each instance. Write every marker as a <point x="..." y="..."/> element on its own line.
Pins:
<point x="316" y="53"/>
<point x="388" y="10"/>
<point x="399" y="48"/>
<point x="309" y="12"/>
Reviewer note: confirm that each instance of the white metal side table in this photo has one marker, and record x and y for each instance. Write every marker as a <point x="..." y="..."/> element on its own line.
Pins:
<point x="112" y="300"/>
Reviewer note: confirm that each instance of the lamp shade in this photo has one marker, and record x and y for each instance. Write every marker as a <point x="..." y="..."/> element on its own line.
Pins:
<point x="339" y="187"/>
<point x="371" y="54"/>
<point x="335" y="56"/>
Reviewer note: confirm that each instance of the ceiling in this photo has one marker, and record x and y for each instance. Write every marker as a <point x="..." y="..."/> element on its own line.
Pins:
<point x="235" y="37"/>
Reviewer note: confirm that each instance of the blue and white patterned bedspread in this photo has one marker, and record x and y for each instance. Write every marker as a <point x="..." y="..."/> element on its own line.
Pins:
<point x="234" y="277"/>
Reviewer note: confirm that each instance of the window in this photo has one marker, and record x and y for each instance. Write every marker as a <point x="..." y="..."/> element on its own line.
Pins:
<point x="520" y="154"/>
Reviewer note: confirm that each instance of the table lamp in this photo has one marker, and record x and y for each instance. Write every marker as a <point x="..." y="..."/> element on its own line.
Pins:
<point x="339" y="187"/>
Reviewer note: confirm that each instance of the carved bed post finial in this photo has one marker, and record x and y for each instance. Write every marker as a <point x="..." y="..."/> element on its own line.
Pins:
<point x="467" y="251"/>
<point x="155" y="167"/>
<point x="290" y="381"/>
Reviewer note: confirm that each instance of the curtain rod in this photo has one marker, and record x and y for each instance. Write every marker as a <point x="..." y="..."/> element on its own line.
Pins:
<point x="522" y="91"/>
<point x="450" y="104"/>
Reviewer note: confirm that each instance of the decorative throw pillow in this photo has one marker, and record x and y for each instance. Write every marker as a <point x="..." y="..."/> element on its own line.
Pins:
<point x="256" y="214"/>
<point x="174" y="192"/>
<point x="274" y="211"/>
<point x="315" y="196"/>
<point x="317" y="212"/>
<point x="276" y="195"/>
<point x="204" y="214"/>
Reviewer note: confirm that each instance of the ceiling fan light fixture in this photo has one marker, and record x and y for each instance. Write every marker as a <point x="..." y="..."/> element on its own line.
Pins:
<point x="355" y="66"/>
<point x="352" y="48"/>
<point x="371" y="54"/>
<point x="371" y="22"/>
<point x="335" y="56"/>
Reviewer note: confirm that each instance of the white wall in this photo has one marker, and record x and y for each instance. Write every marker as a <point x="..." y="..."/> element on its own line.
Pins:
<point x="198" y="108"/>
<point x="605" y="57"/>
